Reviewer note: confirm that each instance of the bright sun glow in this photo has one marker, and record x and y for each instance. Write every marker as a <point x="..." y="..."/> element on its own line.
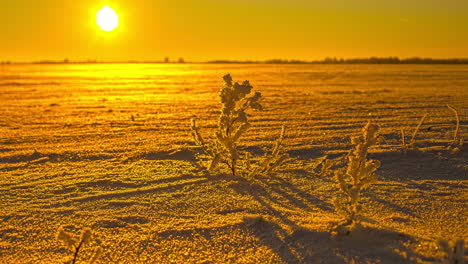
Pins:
<point x="107" y="19"/>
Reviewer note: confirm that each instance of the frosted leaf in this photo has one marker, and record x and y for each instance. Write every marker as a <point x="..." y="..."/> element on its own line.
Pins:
<point x="226" y="111"/>
<point x="226" y="95"/>
<point x="354" y="193"/>
<point x="67" y="239"/>
<point x="242" y="117"/>
<point x="244" y="88"/>
<point x="372" y="129"/>
<point x="86" y="236"/>
<point x="371" y="166"/>
<point x="341" y="183"/>
<point x="228" y="79"/>
<point x="370" y="133"/>
<point x="240" y="131"/>
<point x="256" y="96"/>
<point x="357" y="140"/>
<point x="256" y="106"/>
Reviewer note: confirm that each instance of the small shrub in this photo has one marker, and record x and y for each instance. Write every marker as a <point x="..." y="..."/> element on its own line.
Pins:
<point x="232" y="124"/>
<point x="75" y="245"/>
<point x="358" y="176"/>
<point x="454" y="254"/>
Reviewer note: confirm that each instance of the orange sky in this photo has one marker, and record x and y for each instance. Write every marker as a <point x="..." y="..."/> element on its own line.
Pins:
<point x="201" y="30"/>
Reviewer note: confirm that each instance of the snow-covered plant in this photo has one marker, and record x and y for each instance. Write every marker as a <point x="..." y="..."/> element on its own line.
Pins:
<point x="270" y="160"/>
<point x="358" y="176"/>
<point x="74" y="244"/>
<point x="232" y="124"/>
<point x="454" y="254"/>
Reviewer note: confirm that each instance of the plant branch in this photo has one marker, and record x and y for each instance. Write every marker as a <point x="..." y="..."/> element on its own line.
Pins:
<point x="77" y="249"/>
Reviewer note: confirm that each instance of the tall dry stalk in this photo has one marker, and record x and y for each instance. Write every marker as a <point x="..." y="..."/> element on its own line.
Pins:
<point x="455" y="253"/>
<point x="416" y="130"/>
<point x="456" y="141"/>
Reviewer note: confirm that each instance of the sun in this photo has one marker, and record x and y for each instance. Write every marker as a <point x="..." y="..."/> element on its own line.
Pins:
<point x="107" y="19"/>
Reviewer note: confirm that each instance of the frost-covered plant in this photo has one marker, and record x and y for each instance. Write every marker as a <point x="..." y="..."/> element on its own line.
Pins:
<point x="326" y="164"/>
<point x="358" y="176"/>
<point x="74" y="244"/>
<point x="455" y="254"/>
<point x="270" y="160"/>
<point x="232" y="124"/>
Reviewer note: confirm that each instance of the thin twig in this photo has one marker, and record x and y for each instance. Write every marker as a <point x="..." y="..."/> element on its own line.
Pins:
<point x="77" y="249"/>
<point x="417" y="129"/>
<point x="403" y="138"/>
<point x="457" y="129"/>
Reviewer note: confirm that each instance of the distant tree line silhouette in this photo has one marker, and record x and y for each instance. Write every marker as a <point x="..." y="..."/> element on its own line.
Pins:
<point x="371" y="60"/>
<point x="327" y="60"/>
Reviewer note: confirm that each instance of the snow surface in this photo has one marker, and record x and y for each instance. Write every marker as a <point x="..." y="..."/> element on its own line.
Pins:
<point x="105" y="147"/>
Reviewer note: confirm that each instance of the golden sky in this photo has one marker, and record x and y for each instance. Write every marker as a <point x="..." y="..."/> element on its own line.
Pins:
<point x="200" y="30"/>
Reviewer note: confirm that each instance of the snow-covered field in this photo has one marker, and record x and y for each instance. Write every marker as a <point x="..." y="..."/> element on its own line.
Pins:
<point x="105" y="147"/>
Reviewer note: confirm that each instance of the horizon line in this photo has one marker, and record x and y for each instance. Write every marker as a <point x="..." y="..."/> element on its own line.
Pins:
<point x="326" y="60"/>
